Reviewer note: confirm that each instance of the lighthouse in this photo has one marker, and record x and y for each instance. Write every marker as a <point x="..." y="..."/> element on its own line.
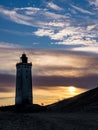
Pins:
<point x="23" y="81"/>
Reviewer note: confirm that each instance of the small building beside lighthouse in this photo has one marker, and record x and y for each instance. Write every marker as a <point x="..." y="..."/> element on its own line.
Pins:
<point x="23" y="81"/>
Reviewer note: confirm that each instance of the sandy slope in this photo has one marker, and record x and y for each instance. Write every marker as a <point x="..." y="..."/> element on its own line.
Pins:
<point x="48" y="121"/>
<point x="87" y="101"/>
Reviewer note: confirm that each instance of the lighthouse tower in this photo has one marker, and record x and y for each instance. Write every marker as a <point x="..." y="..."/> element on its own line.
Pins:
<point x="23" y="81"/>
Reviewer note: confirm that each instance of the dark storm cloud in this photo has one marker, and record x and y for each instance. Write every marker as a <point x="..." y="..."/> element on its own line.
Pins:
<point x="52" y="81"/>
<point x="7" y="82"/>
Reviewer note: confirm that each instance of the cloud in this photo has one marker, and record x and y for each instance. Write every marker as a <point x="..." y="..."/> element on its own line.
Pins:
<point x="14" y="16"/>
<point x="8" y="57"/>
<point x="43" y="32"/>
<point x="67" y="64"/>
<point x="94" y="2"/>
<point x="51" y="68"/>
<point x="79" y="82"/>
<point x="16" y="32"/>
<point x="85" y="37"/>
<point x="91" y="27"/>
<point x="35" y="17"/>
<point x="92" y="49"/>
<point x="8" y="45"/>
<point x="82" y="10"/>
<point x="54" y="6"/>
<point x="56" y="36"/>
<point x="61" y="29"/>
<point x="7" y="82"/>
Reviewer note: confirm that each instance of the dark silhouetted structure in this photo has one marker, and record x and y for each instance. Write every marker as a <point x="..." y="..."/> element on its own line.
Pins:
<point x="23" y="81"/>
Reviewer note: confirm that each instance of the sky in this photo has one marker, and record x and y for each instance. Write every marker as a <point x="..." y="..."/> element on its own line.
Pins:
<point x="60" y="38"/>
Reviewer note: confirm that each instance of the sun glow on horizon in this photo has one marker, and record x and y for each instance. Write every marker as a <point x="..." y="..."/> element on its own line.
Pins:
<point x="54" y="94"/>
<point x="44" y="96"/>
<point x="71" y="89"/>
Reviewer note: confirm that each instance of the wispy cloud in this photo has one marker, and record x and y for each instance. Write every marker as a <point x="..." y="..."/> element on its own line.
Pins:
<point x="9" y="52"/>
<point x="44" y="32"/>
<point x="14" y="16"/>
<point x="34" y="17"/>
<point x="72" y="36"/>
<point x="82" y="10"/>
<point x="54" y="6"/>
<point x="93" y="49"/>
<point x="8" y="45"/>
<point x="94" y="2"/>
<point x="92" y="27"/>
<point x="62" y="29"/>
<point x="20" y="33"/>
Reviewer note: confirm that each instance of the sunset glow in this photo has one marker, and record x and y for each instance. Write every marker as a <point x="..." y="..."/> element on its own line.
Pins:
<point x="51" y="77"/>
<point x="43" y="96"/>
<point x="53" y="94"/>
<point x="72" y="89"/>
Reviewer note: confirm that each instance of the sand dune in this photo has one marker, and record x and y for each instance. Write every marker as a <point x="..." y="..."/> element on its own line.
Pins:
<point x="85" y="102"/>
